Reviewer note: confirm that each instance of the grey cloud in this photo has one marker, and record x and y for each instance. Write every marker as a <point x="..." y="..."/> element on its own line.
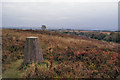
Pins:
<point x="75" y="15"/>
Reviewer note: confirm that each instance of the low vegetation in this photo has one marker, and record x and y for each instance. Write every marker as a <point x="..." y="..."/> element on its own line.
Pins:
<point x="65" y="56"/>
<point x="110" y="36"/>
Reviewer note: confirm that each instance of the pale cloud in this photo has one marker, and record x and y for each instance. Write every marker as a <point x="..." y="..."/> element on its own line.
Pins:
<point x="88" y="15"/>
<point x="60" y="1"/>
<point x="0" y="15"/>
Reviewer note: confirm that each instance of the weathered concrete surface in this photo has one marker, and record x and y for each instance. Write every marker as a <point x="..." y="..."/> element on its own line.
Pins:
<point x="33" y="52"/>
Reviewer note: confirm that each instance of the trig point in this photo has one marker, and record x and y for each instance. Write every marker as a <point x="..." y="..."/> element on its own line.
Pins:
<point x="33" y="52"/>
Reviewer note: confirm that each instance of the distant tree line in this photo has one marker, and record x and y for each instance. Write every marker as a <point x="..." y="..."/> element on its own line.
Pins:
<point x="112" y="37"/>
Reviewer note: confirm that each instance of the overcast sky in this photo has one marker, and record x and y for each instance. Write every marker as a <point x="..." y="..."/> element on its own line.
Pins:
<point x="67" y="15"/>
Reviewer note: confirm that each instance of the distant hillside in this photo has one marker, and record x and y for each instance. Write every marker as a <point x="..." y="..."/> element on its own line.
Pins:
<point x="110" y="36"/>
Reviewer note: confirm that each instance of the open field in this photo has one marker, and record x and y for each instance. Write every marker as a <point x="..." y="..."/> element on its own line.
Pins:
<point x="109" y="36"/>
<point x="72" y="56"/>
<point x="92" y="31"/>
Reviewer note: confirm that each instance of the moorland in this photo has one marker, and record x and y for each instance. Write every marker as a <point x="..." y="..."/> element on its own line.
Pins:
<point x="65" y="56"/>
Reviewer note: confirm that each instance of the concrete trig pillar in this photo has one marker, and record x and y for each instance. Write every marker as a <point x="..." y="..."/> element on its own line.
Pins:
<point x="33" y="51"/>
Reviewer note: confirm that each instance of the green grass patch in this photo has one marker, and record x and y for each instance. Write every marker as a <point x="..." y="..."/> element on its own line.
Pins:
<point x="12" y="71"/>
